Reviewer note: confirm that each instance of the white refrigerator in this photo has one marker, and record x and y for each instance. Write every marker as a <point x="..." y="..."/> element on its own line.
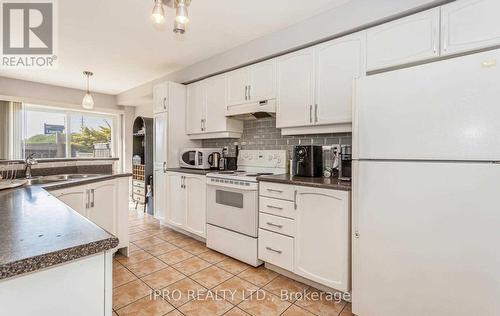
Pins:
<point x="426" y="190"/>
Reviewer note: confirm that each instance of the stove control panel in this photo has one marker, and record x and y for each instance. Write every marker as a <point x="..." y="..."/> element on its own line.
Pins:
<point x="262" y="158"/>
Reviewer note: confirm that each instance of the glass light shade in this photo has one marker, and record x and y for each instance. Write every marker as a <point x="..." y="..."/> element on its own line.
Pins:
<point x="88" y="101"/>
<point x="182" y="13"/>
<point x="158" y="14"/>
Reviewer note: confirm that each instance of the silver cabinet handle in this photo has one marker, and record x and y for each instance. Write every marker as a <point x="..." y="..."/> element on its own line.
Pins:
<point x="183" y="182"/>
<point x="295" y="200"/>
<point x="274" y="225"/>
<point x="246" y="93"/>
<point x="164" y="167"/>
<point x="310" y="113"/>
<point x="164" y="103"/>
<point x="92" y="204"/>
<point x="249" y="92"/>
<point x="274" y="207"/>
<point x="274" y="250"/>
<point x="316" y="113"/>
<point x="87" y="205"/>
<point x="274" y="190"/>
<point x="204" y="124"/>
<point x="201" y="125"/>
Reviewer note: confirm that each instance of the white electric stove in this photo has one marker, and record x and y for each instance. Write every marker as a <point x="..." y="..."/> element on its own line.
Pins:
<point x="232" y="203"/>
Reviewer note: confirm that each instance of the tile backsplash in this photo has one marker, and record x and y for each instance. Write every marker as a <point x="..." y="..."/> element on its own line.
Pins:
<point x="263" y="135"/>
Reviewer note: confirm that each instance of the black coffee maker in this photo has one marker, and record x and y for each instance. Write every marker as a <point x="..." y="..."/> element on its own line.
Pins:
<point x="308" y="161"/>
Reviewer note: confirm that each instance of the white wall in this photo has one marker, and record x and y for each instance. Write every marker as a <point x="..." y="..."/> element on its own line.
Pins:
<point x="347" y="18"/>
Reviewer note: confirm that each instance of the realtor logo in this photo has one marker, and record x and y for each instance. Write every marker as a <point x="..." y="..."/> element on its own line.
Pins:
<point x="28" y="33"/>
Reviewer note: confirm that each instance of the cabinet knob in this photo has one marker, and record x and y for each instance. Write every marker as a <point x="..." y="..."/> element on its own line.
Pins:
<point x="356" y="234"/>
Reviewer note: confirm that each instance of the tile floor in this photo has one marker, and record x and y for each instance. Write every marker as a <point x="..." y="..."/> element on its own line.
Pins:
<point x="191" y="279"/>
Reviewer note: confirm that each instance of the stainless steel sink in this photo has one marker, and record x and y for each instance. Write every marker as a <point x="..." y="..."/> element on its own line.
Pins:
<point x="59" y="178"/>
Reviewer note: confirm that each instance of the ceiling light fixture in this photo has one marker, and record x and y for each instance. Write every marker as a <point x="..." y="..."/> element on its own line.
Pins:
<point x="181" y="14"/>
<point x="88" y="101"/>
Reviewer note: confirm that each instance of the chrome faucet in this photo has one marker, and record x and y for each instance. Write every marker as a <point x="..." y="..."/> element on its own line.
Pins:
<point x="28" y="163"/>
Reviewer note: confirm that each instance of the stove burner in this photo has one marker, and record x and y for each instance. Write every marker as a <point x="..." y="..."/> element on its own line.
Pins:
<point x="260" y="174"/>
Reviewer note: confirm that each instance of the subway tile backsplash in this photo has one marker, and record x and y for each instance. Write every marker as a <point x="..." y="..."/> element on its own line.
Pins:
<point x="263" y="135"/>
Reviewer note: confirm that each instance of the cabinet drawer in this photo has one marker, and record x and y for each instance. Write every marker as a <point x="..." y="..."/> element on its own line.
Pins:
<point x="138" y="198"/>
<point x="137" y="190"/>
<point x="277" y="190"/>
<point x="276" y="249"/>
<point x="277" y="207"/>
<point x="139" y="184"/>
<point x="277" y="224"/>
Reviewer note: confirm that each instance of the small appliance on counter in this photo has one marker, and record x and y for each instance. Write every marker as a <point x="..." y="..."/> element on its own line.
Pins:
<point x="345" y="163"/>
<point x="214" y="160"/>
<point x="197" y="158"/>
<point x="308" y="161"/>
<point x="229" y="163"/>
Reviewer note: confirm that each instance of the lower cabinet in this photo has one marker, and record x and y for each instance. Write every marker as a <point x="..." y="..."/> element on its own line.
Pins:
<point x="186" y="202"/>
<point x="306" y="232"/>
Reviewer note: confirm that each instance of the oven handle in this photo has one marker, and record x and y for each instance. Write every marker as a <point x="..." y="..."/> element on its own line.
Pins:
<point x="229" y="186"/>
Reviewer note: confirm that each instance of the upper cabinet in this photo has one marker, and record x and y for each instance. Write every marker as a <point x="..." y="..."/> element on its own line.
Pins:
<point x="206" y="108"/>
<point x="160" y="98"/>
<point x="315" y="86"/>
<point x="470" y="25"/>
<point x="252" y="84"/>
<point x="404" y="41"/>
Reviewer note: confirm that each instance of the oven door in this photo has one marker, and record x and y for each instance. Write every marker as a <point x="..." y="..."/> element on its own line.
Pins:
<point x="233" y="208"/>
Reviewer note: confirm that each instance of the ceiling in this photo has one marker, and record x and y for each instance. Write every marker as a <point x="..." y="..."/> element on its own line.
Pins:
<point x="116" y="40"/>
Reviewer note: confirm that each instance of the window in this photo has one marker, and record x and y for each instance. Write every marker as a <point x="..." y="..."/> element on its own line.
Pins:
<point x="55" y="133"/>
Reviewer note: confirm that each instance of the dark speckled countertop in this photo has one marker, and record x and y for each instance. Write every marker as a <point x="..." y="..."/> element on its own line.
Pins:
<point x="192" y="171"/>
<point x="320" y="182"/>
<point x="38" y="231"/>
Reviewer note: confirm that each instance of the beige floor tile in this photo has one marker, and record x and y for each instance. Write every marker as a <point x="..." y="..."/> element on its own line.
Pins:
<point x="205" y="306"/>
<point x="128" y="293"/>
<point x="183" y="241"/>
<point x="211" y="277"/>
<point x="232" y="265"/>
<point x="196" y="248"/>
<point x="259" y="276"/>
<point x="133" y="258"/>
<point x="169" y="235"/>
<point x="175" y="256"/>
<point x="174" y="313"/>
<point x="181" y="292"/>
<point x="235" y="290"/>
<point x="121" y="276"/>
<point x="158" y="250"/>
<point x="115" y="314"/>
<point x="191" y="265"/>
<point x="236" y="312"/>
<point x="133" y="247"/>
<point x="212" y="256"/>
<point x="140" y="235"/>
<point x="296" y="311"/>
<point x="148" y="242"/>
<point x="117" y="264"/>
<point x="146" y="307"/>
<point x="134" y="229"/>
<point x="347" y="311"/>
<point x="288" y="287"/>
<point x="320" y="303"/>
<point x="147" y="267"/>
<point x="162" y="278"/>
<point x="263" y="303"/>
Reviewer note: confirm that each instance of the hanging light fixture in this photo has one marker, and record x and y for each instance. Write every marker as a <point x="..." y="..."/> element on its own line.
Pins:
<point x="181" y="14"/>
<point x="158" y="14"/>
<point x="179" y="28"/>
<point x="88" y="101"/>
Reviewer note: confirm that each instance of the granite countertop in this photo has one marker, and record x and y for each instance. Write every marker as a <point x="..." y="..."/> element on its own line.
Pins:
<point x="319" y="182"/>
<point x="192" y="171"/>
<point x="38" y="231"/>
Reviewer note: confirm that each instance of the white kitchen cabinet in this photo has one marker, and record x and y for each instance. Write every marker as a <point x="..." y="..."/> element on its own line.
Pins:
<point x="160" y="98"/>
<point x="206" y="111"/>
<point x="252" y="84"/>
<point x="295" y="89"/>
<point x="161" y="138"/>
<point x="74" y="197"/>
<point x="337" y="64"/>
<point x="407" y="40"/>
<point x="160" y="190"/>
<point x="322" y="245"/>
<point x="468" y="25"/>
<point x="103" y="206"/>
<point x="186" y="202"/>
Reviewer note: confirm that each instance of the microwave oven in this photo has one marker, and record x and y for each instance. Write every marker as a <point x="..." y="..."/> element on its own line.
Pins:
<point x="197" y="158"/>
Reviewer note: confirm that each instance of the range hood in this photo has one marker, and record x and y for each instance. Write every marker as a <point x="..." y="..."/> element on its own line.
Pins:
<point x="252" y="111"/>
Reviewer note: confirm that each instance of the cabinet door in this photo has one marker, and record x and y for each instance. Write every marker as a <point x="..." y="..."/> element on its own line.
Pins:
<point x="160" y="98"/>
<point x="469" y="25"/>
<point x="407" y="40"/>
<point x="262" y="84"/>
<point x="160" y="194"/>
<point x="295" y="89"/>
<point x="215" y="118"/>
<point x="76" y="198"/>
<point x="176" y="200"/>
<point x="337" y="64"/>
<point x="237" y="86"/>
<point x="160" y="135"/>
<point x="196" y="204"/>
<point x="103" y="207"/>
<point x="195" y="110"/>
<point x="322" y="249"/>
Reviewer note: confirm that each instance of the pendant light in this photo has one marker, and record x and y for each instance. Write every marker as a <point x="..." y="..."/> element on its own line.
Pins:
<point x="88" y="101"/>
<point x="158" y="14"/>
<point x="182" y="12"/>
